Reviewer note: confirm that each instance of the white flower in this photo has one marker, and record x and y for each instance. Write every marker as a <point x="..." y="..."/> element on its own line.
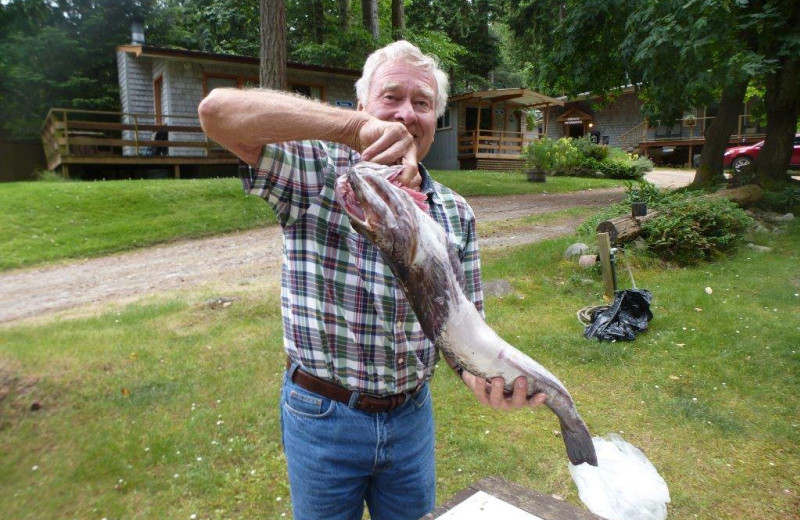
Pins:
<point x="709" y="290"/>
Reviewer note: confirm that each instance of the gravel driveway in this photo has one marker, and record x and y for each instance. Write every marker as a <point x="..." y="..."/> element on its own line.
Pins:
<point x="246" y="258"/>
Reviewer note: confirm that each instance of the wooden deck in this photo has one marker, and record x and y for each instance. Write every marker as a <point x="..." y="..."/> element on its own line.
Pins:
<point x="492" y="149"/>
<point x="93" y="138"/>
<point x="687" y="135"/>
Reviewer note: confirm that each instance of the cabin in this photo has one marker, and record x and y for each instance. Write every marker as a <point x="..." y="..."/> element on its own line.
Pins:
<point x="616" y="120"/>
<point x="157" y="133"/>
<point x="486" y="130"/>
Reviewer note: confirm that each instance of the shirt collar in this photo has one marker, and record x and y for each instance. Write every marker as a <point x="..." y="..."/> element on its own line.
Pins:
<point x="428" y="187"/>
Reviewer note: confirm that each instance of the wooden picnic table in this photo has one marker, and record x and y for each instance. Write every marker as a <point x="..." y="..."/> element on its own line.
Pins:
<point x="538" y="506"/>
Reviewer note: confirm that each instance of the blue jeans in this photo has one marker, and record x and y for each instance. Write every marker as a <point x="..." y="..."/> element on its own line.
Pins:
<point x="339" y="457"/>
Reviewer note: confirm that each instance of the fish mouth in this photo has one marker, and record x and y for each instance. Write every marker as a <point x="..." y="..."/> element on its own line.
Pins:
<point x="369" y="200"/>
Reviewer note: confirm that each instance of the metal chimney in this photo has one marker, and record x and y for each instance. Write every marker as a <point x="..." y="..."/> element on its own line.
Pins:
<point x="137" y="32"/>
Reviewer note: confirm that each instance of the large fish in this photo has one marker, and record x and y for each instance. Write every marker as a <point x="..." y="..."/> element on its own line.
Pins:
<point x="426" y="265"/>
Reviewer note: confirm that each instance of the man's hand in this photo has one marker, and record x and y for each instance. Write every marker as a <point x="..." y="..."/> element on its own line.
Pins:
<point x="391" y="143"/>
<point x="493" y="394"/>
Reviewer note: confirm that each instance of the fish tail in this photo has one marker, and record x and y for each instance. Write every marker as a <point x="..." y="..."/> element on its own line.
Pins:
<point x="579" y="444"/>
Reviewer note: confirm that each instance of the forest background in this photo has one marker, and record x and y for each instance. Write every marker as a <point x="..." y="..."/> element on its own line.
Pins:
<point x="679" y="54"/>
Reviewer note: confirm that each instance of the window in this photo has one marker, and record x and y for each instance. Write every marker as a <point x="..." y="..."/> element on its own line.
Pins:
<point x="443" y="123"/>
<point x="472" y="118"/>
<point x="309" y="91"/>
<point x="212" y="81"/>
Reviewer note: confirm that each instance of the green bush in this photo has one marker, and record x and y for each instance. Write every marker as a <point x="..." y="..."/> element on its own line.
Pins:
<point x="782" y="200"/>
<point x="583" y="158"/>
<point x="691" y="229"/>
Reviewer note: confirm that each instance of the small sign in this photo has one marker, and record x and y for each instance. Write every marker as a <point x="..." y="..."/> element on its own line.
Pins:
<point x="483" y="506"/>
<point x="499" y="112"/>
<point x="667" y="149"/>
<point x="344" y="103"/>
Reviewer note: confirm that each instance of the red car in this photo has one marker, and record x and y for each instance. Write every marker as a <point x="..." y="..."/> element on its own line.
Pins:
<point x="740" y="156"/>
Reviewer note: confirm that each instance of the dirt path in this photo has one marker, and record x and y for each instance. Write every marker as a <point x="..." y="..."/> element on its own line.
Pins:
<point x="240" y="258"/>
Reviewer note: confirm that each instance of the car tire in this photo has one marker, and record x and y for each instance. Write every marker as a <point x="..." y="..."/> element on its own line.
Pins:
<point x="740" y="162"/>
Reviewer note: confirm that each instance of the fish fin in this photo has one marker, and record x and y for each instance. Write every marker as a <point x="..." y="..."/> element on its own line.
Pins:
<point x="580" y="447"/>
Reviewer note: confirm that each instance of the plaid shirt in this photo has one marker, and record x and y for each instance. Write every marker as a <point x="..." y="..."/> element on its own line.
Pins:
<point x="344" y="316"/>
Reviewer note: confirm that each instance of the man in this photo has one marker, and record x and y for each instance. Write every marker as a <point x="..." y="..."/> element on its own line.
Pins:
<point x="357" y="418"/>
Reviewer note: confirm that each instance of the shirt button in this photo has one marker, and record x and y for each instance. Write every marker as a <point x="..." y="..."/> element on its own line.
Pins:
<point x="400" y="360"/>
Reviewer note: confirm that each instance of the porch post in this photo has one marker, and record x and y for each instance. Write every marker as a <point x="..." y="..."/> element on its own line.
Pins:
<point x="546" y="117"/>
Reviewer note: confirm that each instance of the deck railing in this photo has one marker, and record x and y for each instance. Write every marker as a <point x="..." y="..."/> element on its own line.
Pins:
<point x="499" y="143"/>
<point x="689" y="129"/>
<point x="69" y="135"/>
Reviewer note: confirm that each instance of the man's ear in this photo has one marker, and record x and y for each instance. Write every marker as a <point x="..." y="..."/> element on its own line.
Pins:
<point x="359" y="106"/>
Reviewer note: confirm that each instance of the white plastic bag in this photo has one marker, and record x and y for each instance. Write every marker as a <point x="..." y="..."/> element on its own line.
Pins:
<point x="624" y="485"/>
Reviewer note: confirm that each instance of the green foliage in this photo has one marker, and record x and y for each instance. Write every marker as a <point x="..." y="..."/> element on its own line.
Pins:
<point x="466" y="24"/>
<point x="643" y="191"/>
<point x="583" y="158"/>
<point x="59" y="54"/>
<point x="692" y="229"/>
<point x="786" y="199"/>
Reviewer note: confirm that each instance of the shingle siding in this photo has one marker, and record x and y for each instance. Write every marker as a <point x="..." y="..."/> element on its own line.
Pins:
<point x="182" y="90"/>
<point x="611" y="121"/>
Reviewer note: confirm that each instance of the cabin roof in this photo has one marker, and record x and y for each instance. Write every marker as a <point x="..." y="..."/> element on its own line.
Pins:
<point x="199" y="56"/>
<point x="520" y="96"/>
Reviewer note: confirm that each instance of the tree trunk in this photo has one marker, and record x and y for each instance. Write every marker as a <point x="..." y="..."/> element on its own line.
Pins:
<point x="782" y="100"/>
<point x="369" y="10"/>
<point x="398" y="20"/>
<point x="344" y="14"/>
<point x="272" y="70"/>
<point x="318" y="17"/>
<point x="718" y="135"/>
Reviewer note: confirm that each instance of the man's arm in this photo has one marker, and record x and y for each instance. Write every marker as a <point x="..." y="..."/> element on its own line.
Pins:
<point x="243" y="121"/>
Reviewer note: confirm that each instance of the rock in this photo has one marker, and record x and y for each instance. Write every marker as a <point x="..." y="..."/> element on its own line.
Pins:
<point x="760" y="229"/>
<point x="576" y="250"/>
<point x="497" y="288"/>
<point x="785" y="218"/>
<point x="760" y="249"/>
<point x="219" y="303"/>
<point x="587" y="261"/>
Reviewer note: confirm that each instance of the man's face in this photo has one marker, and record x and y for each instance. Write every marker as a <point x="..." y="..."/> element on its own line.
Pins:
<point x="402" y="93"/>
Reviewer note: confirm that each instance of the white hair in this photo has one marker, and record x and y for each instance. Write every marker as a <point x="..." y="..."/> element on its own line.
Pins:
<point x="410" y="54"/>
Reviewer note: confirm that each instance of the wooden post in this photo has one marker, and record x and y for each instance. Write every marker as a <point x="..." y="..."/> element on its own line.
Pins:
<point x="136" y="134"/>
<point x="66" y="134"/>
<point x="546" y="117"/>
<point x="604" y="246"/>
<point x="177" y="170"/>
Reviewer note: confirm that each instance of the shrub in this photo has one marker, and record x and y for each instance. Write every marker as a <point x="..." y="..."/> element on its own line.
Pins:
<point x="691" y="229"/>
<point x="538" y="154"/>
<point x="781" y="201"/>
<point x="644" y="191"/>
<point x="583" y="158"/>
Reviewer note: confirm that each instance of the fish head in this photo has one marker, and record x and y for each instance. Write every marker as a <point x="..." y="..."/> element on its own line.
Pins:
<point x="380" y="211"/>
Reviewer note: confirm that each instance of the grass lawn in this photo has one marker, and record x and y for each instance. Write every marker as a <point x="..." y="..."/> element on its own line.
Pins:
<point x="168" y="408"/>
<point x="51" y="221"/>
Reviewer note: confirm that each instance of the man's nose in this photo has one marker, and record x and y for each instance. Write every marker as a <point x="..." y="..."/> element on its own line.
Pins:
<point x="405" y="112"/>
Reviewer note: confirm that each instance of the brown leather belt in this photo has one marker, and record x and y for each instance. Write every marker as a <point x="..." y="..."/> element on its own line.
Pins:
<point x="364" y="402"/>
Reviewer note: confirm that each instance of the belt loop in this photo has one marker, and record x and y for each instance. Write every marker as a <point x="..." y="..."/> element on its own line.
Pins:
<point x="292" y="369"/>
<point x="354" y="398"/>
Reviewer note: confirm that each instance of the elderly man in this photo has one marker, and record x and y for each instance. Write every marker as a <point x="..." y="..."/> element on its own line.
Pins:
<point x="356" y="414"/>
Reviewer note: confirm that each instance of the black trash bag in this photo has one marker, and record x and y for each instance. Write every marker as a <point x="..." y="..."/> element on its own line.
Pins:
<point x="627" y="316"/>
